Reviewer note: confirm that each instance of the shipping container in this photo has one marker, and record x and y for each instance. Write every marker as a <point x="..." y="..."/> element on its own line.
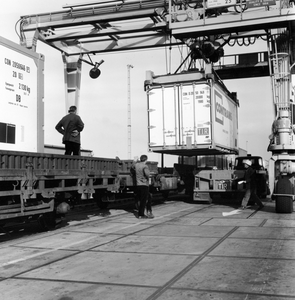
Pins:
<point x="21" y="98"/>
<point x="189" y="114"/>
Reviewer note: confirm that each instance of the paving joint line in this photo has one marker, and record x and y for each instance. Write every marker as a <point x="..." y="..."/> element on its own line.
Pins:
<point x="233" y="292"/>
<point x="88" y="282"/>
<point x="46" y="250"/>
<point x="136" y="224"/>
<point x="262" y="223"/>
<point x="18" y="276"/>
<point x="160" y="291"/>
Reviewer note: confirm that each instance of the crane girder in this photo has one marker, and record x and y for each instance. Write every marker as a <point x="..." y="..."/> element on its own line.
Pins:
<point x="231" y="24"/>
<point x="110" y="26"/>
<point x="104" y="19"/>
<point x="116" y="38"/>
<point x="73" y="47"/>
<point x="98" y="31"/>
<point x="96" y="24"/>
<point x="69" y="20"/>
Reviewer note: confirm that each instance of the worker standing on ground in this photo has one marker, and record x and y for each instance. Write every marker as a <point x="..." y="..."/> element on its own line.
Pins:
<point x="142" y="173"/>
<point x="251" y="186"/>
<point x="133" y="176"/>
<point x="70" y="127"/>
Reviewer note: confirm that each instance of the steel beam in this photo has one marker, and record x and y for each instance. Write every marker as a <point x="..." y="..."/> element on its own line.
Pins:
<point x="109" y="45"/>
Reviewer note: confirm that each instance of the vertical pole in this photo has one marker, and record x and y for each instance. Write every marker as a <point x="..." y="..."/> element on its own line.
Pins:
<point x="129" y="112"/>
<point x="163" y="116"/>
<point x="194" y="115"/>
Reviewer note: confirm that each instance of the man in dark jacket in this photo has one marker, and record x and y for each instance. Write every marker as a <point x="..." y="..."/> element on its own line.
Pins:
<point x="140" y="172"/>
<point x="70" y="127"/>
<point x="251" y="186"/>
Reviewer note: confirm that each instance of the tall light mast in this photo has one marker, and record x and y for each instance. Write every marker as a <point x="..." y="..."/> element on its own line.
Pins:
<point x="129" y="112"/>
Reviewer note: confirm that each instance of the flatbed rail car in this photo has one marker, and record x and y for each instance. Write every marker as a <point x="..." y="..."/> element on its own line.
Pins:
<point x="33" y="185"/>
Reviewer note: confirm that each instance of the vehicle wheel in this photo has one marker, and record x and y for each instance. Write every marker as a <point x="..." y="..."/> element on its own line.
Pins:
<point x="47" y="221"/>
<point x="165" y="195"/>
<point x="284" y="204"/>
<point x="202" y="198"/>
<point x="101" y="204"/>
<point x="101" y="199"/>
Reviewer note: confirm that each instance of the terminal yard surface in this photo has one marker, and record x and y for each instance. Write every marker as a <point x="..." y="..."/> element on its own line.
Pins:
<point x="188" y="251"/>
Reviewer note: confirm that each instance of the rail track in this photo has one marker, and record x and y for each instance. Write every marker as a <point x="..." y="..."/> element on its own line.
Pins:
<point x="80" y="212"/>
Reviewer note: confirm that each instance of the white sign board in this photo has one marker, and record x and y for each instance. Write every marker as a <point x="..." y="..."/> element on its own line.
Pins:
<point x="18" y="100"/>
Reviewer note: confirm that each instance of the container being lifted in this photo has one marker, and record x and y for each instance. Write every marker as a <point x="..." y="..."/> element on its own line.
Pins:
<point x="191" y="114"/>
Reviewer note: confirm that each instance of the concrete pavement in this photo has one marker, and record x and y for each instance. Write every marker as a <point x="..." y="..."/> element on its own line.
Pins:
<point x="188" y="251"/>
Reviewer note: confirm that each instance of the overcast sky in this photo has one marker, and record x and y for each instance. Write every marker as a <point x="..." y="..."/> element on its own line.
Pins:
<point x="103" y="101"/>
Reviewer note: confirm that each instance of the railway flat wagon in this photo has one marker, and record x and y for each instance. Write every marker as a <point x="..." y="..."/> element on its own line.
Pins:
<point x="35" y="184"/>
<point x="38" y="185"/>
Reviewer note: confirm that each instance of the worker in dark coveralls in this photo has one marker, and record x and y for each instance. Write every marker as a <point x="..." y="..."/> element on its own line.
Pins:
<point x="140" y="172"/>
<point x="251" y="186"/>
<point x="70" y="127"/>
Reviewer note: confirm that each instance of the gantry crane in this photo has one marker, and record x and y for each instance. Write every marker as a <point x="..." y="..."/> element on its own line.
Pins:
<point x="82" y="31"/>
